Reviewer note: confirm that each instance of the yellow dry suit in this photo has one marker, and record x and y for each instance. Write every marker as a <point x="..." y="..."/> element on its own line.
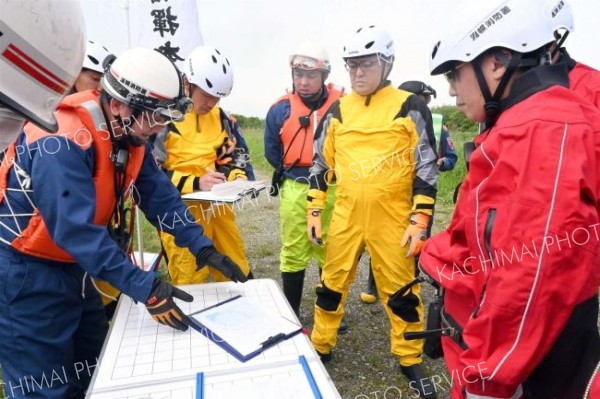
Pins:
<point x="384" y="164"/>
<point x="191" y="153"/>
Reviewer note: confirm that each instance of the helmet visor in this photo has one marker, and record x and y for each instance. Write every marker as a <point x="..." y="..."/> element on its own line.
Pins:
<point x="304" y="62"/>
<point x="169" y="110"/>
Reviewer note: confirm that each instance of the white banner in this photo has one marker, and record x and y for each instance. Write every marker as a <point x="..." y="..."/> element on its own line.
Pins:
<point x="169" y="26"/>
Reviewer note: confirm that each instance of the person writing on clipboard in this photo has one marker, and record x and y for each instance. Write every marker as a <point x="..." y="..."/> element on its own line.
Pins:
<point x="204" y="149"/>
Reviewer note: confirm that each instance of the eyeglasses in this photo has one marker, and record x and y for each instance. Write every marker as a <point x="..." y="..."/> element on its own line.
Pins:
<point x="364" y="65"/>
<point x="452" y="75"/>
<point x="301" y="73"/>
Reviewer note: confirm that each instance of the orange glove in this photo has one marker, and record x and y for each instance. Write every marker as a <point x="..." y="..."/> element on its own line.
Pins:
<point x="163" y="308"/>
<point x="225" y="152"/>
<point x="313" y="226"/>
<point x="416" y="234"/>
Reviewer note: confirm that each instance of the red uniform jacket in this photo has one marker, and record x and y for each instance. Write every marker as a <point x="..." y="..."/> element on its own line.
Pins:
<point x="522" y="249"/>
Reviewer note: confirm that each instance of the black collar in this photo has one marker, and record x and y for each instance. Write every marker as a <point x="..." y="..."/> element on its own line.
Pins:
<point x="535" y="80"/>
<point x="566" y="59"/>
<point x="318" y="103"/>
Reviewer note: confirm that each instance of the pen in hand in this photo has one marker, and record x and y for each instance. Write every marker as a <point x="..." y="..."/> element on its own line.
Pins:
<point x="210" y="179"/>
<point x="218" y="175"/>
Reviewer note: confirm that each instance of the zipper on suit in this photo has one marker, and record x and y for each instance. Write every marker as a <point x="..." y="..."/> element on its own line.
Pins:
<point x="487" y="242"/>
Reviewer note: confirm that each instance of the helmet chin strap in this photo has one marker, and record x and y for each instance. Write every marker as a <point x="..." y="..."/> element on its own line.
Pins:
<point x="310" y="98"/>
<point x="559" y="44"/>
<point x="120" y="134"/>
<point x="382" y="80"/>
<point x="492" y="102"/>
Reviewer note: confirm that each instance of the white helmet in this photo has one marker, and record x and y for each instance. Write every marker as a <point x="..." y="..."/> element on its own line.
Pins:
<point x="309" y="56"/>
<point x="41" y="52"/>
<point x="210" y="70"/>
<point x="518" y="25"/>
<point x="147" y="80"/>
<point x="559" y="13"/>
<point x="369" y="40"/>
<point x="95" y="54"/>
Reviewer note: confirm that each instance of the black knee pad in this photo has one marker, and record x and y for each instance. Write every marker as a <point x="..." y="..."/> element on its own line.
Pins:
<point x="328" y="299"/>
<point x="404" y="305"/>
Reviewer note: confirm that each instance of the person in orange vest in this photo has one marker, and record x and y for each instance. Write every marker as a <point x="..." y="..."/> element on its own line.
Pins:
<point x="288" y="140"/>
<point x="63" y="205"/>
<point x="89" y="79"/>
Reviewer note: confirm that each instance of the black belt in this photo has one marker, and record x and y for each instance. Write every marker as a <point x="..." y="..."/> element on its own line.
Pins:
<point x="450" y="328"/>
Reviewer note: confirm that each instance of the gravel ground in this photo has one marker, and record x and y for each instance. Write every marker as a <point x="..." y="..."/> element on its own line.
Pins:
<point x="363" y="366"/>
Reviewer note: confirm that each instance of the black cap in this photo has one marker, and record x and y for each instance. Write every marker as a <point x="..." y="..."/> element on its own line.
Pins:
<point x="418" y="87"/>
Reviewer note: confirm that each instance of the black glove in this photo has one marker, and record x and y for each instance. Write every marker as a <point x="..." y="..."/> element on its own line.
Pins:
<point x="210" y="256"/>
<point x="163" y="309"/>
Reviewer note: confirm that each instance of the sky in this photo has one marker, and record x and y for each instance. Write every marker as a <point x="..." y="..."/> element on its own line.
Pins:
<point x="258" y="36"/>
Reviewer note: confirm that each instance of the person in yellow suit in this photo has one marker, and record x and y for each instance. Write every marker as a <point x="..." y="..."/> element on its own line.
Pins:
<point x="205" y="149"/>
<point x="379" y="142"/>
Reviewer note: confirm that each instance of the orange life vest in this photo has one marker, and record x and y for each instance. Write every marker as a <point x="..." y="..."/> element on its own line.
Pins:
<point x="297" y="140"/>
<point x="82" y="122"/>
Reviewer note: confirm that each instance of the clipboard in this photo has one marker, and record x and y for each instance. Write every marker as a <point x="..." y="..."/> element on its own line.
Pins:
<point x="232" y="191"/>
<point x="242" y="327"/>
<point x="293" y="377"/>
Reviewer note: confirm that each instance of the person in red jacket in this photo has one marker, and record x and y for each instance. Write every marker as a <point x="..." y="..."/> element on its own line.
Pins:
<point x="518" y="263"/>
<point x="583" y="79"/>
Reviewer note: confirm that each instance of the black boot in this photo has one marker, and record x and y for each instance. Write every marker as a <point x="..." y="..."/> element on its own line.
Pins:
<point x="325" y="357"/>
<point x="419" y="381"/>
<point x="370" y="294"/>
<point x="293" y="283"/>
<point x="343" y="326"/>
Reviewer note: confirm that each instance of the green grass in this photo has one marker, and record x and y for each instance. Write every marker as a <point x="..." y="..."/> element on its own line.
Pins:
<point x="448" y="181"/>
<point x="254" y="139"/>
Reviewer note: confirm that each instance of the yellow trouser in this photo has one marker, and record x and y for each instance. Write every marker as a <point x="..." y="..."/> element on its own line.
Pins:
<point x="219" y="225"/>
<point x="374" y="216"/>
<point x="108" y="293"/>
<point x="296" y="248"/>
